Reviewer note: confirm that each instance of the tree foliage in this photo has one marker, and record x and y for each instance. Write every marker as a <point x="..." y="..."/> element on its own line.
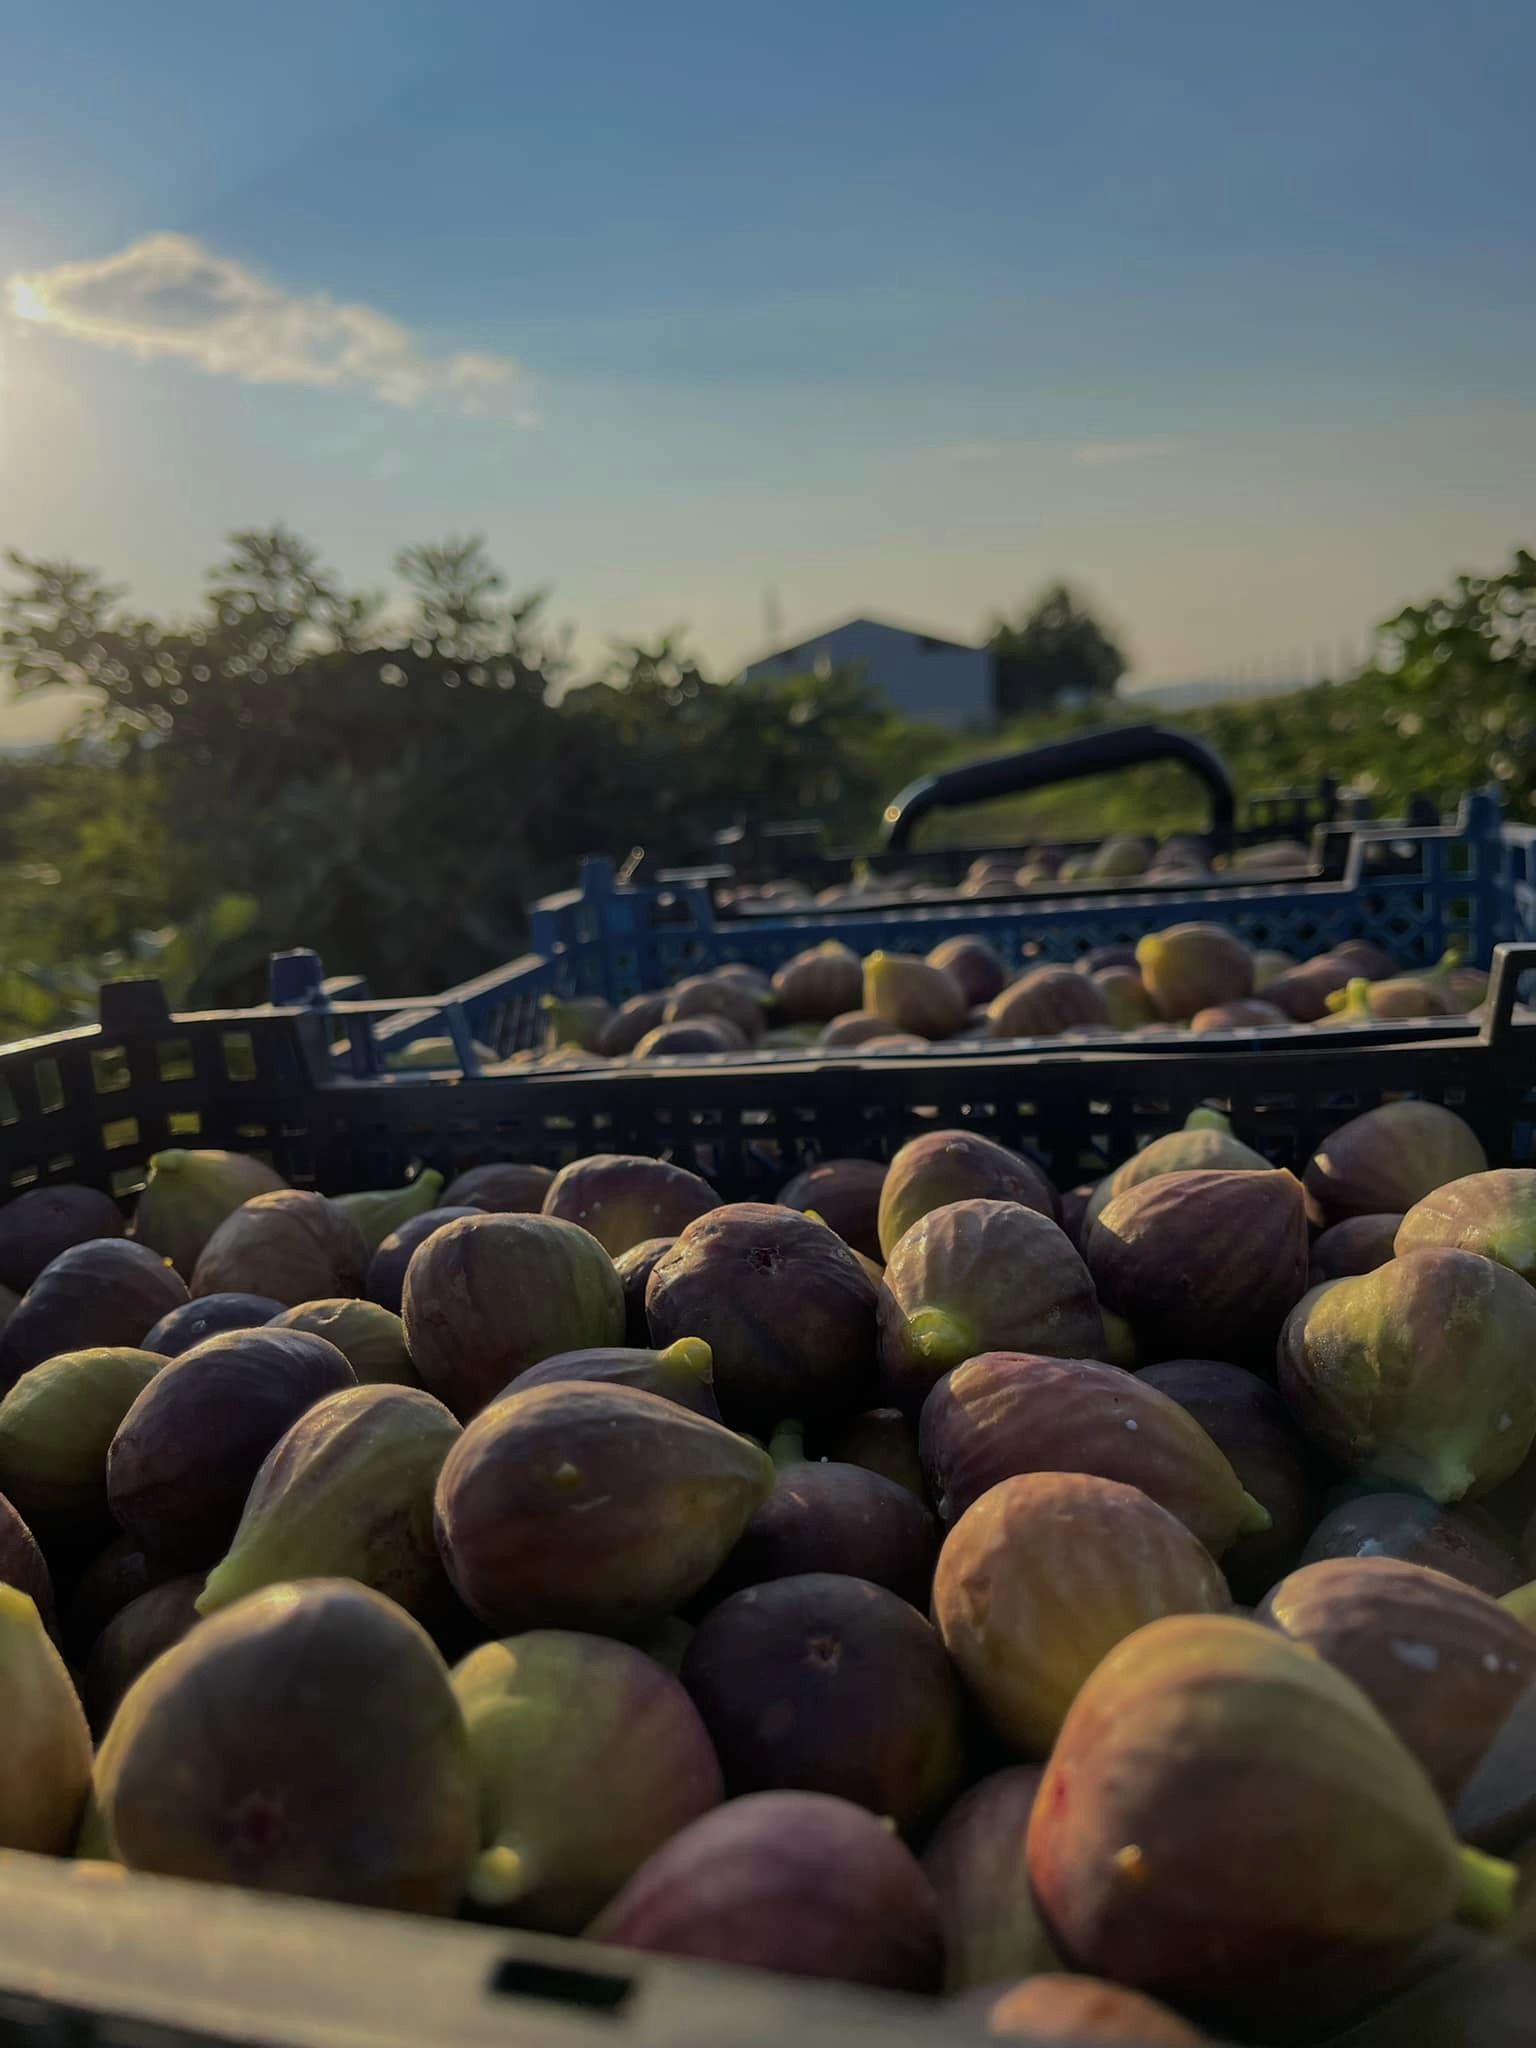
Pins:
<point x="1056" y="655"/>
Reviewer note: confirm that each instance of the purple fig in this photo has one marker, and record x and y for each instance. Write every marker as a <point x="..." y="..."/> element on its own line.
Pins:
<point x="1301" y="992"/>
<point x="881" y="1440"/>
<point x="844" y="1193"/>
<point x="186" y="1452"/>
<point x="1190" y="967"/>
<point x="1418" y="1531"/>
<point x="306" y="1741"/>
<point x="712" y="995"/>
<point x="1062" y="2008"/>
<point x="973" y="964"/>
<point x="23" y="1565"/>
<point x="39" y="1223"/>
<point x="1003" y="1413"/>
<point x="1389" y="1158"/>
<point x="385" y="1281"/>
<point x="1203" y="1264"/>
<point x="853" y="1027"/>
<point x="1097" y="958"/>
<point x="794" y="1882"/>
<point x="1418" y="1373"/>
<point x="105" y="1292"/>
<point x="683" y="1373"/>
<point x="1493" y="1214"/>
<point x="589" y="1758"/>
<point x="488" y="1296"/>
<point x="825" y="1683"/>
<point x="783" y="1305"/>
<point x="942" y="1167"/>
<point x="291" y="1245"/>
<point x="1204" y="1145"/>
<point x="595" y="1507"/>
<point x="1250" y="1013"/>
<point x="501" y="1186"/>
<point x="370" y="1338"/>
<point x="634" y="1269"/>
<point x="1357" y="1245"/>
<point x="980" y="1276"/>
<point x="630" y="1023"/>
<point x="623" y="1200"/>
<point x="116" y="1575"/>
<point x="189" y="1194"/>
<point x="819" y="984"/>
<point x="1250" y="1425"/>
<point x="132" y="1640"/>
<point x="210" y="1316"/>
<point x="975" y="1862"/>
<point x="827" y="1517"/>
<point x="1045" y="1002"/>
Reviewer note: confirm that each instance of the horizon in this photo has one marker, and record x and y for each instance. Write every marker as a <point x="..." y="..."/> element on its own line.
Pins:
<point x="874" y="313"/>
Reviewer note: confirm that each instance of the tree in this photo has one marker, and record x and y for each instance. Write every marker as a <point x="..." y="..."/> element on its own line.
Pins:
<point x="1057" y="656"/>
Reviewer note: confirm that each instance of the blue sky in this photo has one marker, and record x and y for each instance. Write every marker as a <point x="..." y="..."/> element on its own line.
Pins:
<point x="1228" y="312"/>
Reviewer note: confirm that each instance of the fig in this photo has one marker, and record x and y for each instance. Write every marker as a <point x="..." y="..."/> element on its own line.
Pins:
<point x="831" y="1517"/>
<point x="1302" y="992"/>
<point x="1191" y="967"/>
<point x="106" y="1292"/>
<point x="588" y="1758"/>
<point x="1074" y="1211"/>
<point x="190" y="1193"/>
<point x="1203" y="1264"/>
<point x="795" y="1882"/>
<point x="1250" y="1013"/>
<point x="370" y="1338"/>
<point x="711" y="995"/>
<point x="499" y="1186"/>
<point x="975" y="1862"/>
<point x="913" y="996"/>
<point x="1125" y="997"/>
<point x="1204" y="1145"/>
<point x="1003" y="1413"/>
<point x="45" y="1761"/>
<point x="1056" y="2007"/>
<point x="845" y="1194"/>
<point x="882" y="1440"/>
<point x="39" y="1223"/>
<point x="185" y="1454"/>
<point x="1493" y="1214"/>
<point x="1418" y="1374"/>
<point x="1098" y="957"/>
<point x="683" y="1373"/>
<point x="634" y="1269"/>
<point x="1357" y="1245"/>
<point x="9" y="1303"/>
<point x="1228" y="1822"/>
<point x="1418" y="1531"/>
<point x="385" y="1280"/>
<point x="973" y="966"/>
<point x="1250" y="1425"/>
<point x="630" y="1023"/>
<point x="132" y="1640"/>
<point x="1442" y="1664"/>
<point x="783" y="1305"/>
<point x="896" y="1041"/>
<point x="697" y="1034"/>
<point x="292" y="1245"/>
<point x="575" y="1020"/>
<point x="819" y="984"/>
<point x="980" y="1276"/>
<point x="345" y="1493"/>
<point x="853" y="1027"/>
<point x="57" y="1424"/>
<point x="955" y="1166"/>
<point x="1043" y="1576"/>
<point x="306" y="1741"/>
<point x="1119" y="856"/>
<point x="591" y="1506"/>
<point x="23" y="1565"/>
<point x="1045" y="1002"/>
<point x="623" y="1200"/>
<point x="115" y="1576"/>
<point x="825" y="1683"/>
<point x="1389" y="1158"/>
<point x="210" y="1316"/>
<point x="1269" y="963"/>
<point x="1363" y="1002"/>
<point x="488" y="1296"/>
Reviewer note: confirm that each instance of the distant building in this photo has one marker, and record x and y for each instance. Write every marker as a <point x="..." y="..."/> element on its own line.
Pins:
<point x="920" y="675"/>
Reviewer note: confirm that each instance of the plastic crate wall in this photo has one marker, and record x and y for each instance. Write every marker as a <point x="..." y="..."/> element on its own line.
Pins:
<point x="1458" y="888"/>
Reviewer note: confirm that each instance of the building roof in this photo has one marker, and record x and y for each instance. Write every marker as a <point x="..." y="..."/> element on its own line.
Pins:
<point x="900" y="626"/>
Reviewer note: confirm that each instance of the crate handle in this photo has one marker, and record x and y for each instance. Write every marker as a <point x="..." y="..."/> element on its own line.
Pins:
<point x="1510" y="962"/>
<point x="1094" y="753"/>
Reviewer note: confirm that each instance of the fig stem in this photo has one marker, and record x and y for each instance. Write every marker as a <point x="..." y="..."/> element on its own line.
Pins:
<point x="499" y="1876"/>
<point x="691" y="1354"/>
<point x="1486" y="1896"/>
<point x="939" y="1337"/>
<point x="787" y="1445"/>
<point x="1207" y="1119"/>
<point x="1253" y="1517"/>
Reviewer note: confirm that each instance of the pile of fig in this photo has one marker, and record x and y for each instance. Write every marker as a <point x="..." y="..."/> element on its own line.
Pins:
<point x="1108" y="1610"/>
<point x="1197" y="977"/>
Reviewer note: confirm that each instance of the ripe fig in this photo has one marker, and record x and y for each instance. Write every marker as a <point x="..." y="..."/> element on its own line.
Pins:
<point x="117" y="1574"/>
<point x="1493" y="1214"/>
<point x="45" y="1760"/>
<point x="210" y="1316"/>
<point x="972" y="964"/>
<point x="370" y="1338"/>
<point x="697" y="1034"/>
<point x="1250" y="1013"/>
<point x="913" y="996"/>
<point x="190" y="1193"/>
<point x="131" y="1641"/>
<point x="1056" y="2007"/>
<point x="1125" y="997"/>
<point x="1357" y="1245"/>
<point x="291" y="1245"/>
<point x="1045" y="1002"/>
<point x="881" y="1440"/>
<point x="624" y="1200"/>
<point x="39" y="1223"/>
<point x="1418" y="1531"/>
<point x="844" y="1193"/>
<point x="955" y="1166"/>
<point x="23" y="1565"/>
<point x="57" y="1424"/>
<point x="1389" y="1158"/>
<point x="1204" y="1145"/>
<point x="1190" y="967"/>
<point x="385" y="1280"/>
<point x="980" y="1276"/>
<point x="853" y="1027"/>
<point x="631" y="1022"/>
<point x="683" y="1373"/>
<point x="975" y="1862"/>
<point x="716" y="995"/>
<point x="819" y="984"/>
<point x="634" y="1269"/>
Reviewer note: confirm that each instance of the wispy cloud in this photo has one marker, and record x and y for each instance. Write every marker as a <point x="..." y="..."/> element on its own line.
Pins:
<point x="1103" y="452"/>
<point x="168" y="295"/>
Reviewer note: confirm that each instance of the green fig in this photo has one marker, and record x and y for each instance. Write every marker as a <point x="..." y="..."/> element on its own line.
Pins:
<point x="911" y="995"/>
<point x="346" y="1493"/>
<point x="588" y="1757"/>
<point x="45" y="1758"/>
<point x="57" y="1424"/>
<point x="1205" y="1143"/>
<point x="975" y="1862"/>
<point x="379" y="1212"/>
<point x="1190" y="967"/>
<point x="1493" y="1214"/>
<point x="575" y="1020"/>
<point x="370" y="1338"/>
<point x="942" y="1167"/>
<point x="189" y="1194"/>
